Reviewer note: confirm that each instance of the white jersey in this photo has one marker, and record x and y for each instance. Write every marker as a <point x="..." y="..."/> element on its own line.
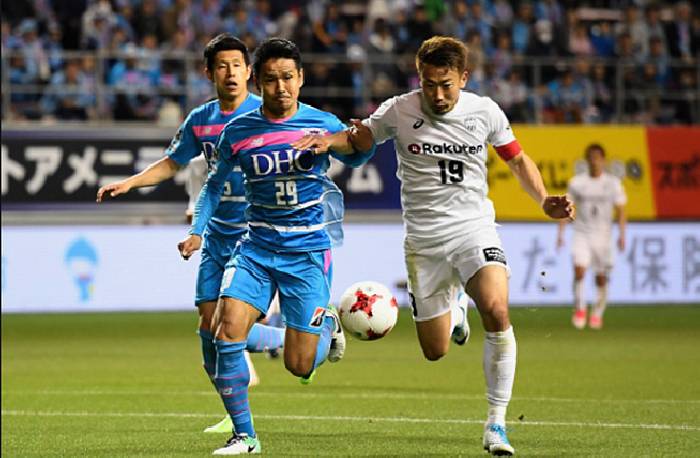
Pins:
<point x="196" y="176"/>
<point x="595" y="199"/>
<point x="442" y="161"/>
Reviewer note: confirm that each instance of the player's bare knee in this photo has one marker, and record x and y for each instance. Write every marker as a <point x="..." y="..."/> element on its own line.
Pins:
<point x="435" y="352"/>
<point x="299" y="367"/>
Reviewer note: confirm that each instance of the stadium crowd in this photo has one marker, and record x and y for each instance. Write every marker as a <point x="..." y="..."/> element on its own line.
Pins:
<point x="551" y="61"/>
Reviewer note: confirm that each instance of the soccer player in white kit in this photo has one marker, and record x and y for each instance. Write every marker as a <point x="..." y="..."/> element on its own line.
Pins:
<point x="451" y="245"/>
<point x="596" y="195"/>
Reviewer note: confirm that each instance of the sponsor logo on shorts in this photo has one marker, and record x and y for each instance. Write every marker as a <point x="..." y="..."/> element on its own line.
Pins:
<point x="495" y="254"/>
<point x="317" y="318"/>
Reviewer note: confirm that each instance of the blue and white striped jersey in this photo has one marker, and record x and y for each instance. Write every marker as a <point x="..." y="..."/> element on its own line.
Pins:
<point x="197" y="135"/>
<point x="294" y="206"/>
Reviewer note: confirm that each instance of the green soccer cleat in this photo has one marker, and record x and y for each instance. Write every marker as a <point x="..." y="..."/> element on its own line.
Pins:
<point x="495" y="440"/>
<point x="240" y="444"/>
<point x="308" y="379"/>
<point x="224" y="426"/>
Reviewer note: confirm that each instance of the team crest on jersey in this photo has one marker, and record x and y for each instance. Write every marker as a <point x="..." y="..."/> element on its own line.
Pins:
<point x="257" y="142"/>
<point x="317" y="318"/>
<point x="470" y="123"/>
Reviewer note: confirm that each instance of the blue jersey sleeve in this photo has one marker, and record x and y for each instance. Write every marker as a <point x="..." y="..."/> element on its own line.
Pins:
<point x="184" y="146"/>
<point x="210" y="195"/>
<point x="355" y="159"/>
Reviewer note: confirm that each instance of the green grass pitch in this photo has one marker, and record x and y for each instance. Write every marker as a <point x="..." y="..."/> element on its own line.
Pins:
<point x="132" y="385"/>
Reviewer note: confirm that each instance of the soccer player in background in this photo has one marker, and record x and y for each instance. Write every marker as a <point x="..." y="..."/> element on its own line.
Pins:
<point x="295" y="215"/>
<point x="441" y="135"/>
<point x="228" y="67"/>
<point x="596" y="195"/>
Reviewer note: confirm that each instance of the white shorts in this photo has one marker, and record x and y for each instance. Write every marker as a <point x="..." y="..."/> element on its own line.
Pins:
<point x="592" y="251"/>
<point x="436" y="274"/>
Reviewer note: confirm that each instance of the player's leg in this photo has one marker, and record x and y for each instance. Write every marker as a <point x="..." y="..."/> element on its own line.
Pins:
<point x="246" y="292"/>
<point x="439" y="305"/>
<point x="581" y="254"/>
<point x="303" y="280"/>
<point x="233" y="321"/>
<point x="489" y="289"/>
<point x="602" y="264"/>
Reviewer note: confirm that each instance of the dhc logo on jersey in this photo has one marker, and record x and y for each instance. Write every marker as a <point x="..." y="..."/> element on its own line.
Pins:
<point x="444" y="148"/>
<point x="281" y="162"/>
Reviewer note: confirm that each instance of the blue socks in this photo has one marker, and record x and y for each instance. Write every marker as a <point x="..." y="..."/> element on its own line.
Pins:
<point x="324" y="342"/>
<point x="208" y="353"/>
<point x="231" y="380"/>
<point x="263" y="337"/>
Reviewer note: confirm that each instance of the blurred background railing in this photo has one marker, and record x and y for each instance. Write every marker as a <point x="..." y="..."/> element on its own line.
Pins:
<point x="162" y="87"/>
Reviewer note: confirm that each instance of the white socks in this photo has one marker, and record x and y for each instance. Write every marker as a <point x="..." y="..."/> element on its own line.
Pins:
<point x="456" y="314"/>
<point x="602" y="301"/>
<point x="579" y="303"/>
<point x="499" y="369"/>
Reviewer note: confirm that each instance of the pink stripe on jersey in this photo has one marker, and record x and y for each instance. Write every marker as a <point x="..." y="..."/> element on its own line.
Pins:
<point x="209" y="130"/>
<point x="326" y="261"/>
<point x="272" y="138"/>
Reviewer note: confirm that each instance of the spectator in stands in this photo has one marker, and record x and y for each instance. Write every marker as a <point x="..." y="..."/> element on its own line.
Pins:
<point x="633" y="24"/>
<point x="263" y="25"/>
<point x="501" y="14"/>
<point x="579" y="42"/>
<point x="147" y="20"/>
<point x="35" y="58"/>
<point x="512" y="96"/>
<point x="457" y="22"/>
<point x="550" y="10"/>
<point x="419" y="28"/>
<point x="602" y="94"/>
<point x="135" y="92"/>
<point x="602" y="39"/>
<point x="686" y="108"/>
<point x="502" y="57"/>
<point x="652" y="24"/>
<point x="206" y="19"/>
<point x="52" y="43"/>
<point x="678" y="33"/>
<point x="69" y="95"/>
<point x="481" y="24"/>
<point x="522" y="27"/>
<point x="658" y="57"/>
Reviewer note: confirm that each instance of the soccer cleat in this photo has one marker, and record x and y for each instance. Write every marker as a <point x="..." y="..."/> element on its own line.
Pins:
<point x="337" y="350"/>
<point x="460" y="333"/>
<point x="224" y="426"/>
<point x="579" y="319"/>
<point x="240" y="444"/>
<point x="496" y="441"/>
<point x="595" y="322"/>
<point x="308" y="379"/>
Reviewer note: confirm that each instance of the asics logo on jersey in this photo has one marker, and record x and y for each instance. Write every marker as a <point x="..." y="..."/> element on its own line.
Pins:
<point x="281" y="162"/>
<point x="444" y="148"/>
<point x="418" y="123"/>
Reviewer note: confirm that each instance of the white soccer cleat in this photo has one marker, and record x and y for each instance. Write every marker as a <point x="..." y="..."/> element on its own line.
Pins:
<point x="224" y="426"/>
<point x="240" y="444"/>
<point x="579" y="319"/>
<point x="337" y="350"/>
<point x="495" y="440"/>
<point x="460" y="333"/>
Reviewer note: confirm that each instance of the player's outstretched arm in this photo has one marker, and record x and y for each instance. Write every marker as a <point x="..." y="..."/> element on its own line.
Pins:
<point x="622" y="225"/>
<point x="155" y="173"/>
<point x="530" y="179"/>
<point x="348" y="141"/>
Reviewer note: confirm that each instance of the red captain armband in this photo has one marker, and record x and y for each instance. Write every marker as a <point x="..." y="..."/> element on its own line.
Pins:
<point x="509" y="151"/>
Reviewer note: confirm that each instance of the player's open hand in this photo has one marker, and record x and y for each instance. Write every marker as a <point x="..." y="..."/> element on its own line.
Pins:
<point x="113" y="190"/>
<point x="559" y="207"/>
<point x="317" y="144"/>
<point x="188" y="246"/>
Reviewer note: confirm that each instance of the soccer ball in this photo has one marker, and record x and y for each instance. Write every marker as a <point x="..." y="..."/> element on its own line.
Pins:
<point x="368" y="310"/>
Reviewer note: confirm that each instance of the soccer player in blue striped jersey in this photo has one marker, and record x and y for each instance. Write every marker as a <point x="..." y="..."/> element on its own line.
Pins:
<point x="294" y="218"/>
<point x="228" y="67"/>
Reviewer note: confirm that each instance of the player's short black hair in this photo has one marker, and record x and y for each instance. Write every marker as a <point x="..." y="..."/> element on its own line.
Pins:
<point x="594" y="147"/>
<point x="442" y="51"/>
<point x="224" y="42"/>
<point x="275" y="48"/>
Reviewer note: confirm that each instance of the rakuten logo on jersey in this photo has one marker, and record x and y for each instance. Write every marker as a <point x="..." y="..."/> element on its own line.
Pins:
<point x="444" y="148"/>
<point x="281" y="162"/>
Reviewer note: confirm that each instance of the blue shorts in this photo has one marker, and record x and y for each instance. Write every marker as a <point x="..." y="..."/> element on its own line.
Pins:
<point x="303" y="280"/>
<point x="216" y="252"/>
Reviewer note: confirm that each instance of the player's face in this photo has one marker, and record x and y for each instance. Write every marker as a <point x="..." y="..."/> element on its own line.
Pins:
<point x="280" y="82"/>
<point x="596" y="162"/>
<point x="230" y="75"/>
<point x="441" y="87"/>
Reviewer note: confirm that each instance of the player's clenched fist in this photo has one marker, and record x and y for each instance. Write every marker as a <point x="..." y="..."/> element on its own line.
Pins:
<point x="188" y="246"/>
<point x="559" y="207"/>
<point x="113" y="189"/>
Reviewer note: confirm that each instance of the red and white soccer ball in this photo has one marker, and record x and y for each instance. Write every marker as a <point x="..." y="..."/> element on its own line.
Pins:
<point x="368" y="310"/>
